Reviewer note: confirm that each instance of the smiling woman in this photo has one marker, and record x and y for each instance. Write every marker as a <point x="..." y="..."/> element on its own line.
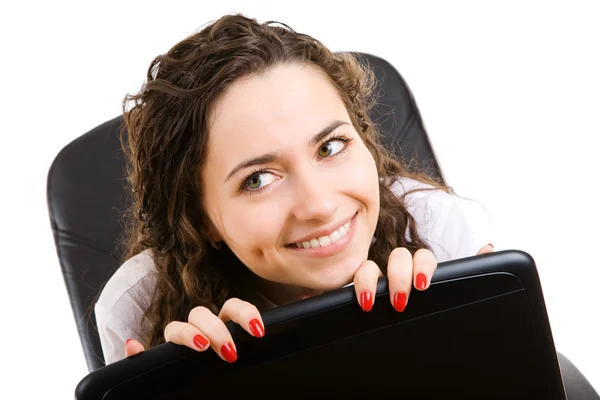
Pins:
<point x="322" y="177"/>
<point x="259" y="180"/>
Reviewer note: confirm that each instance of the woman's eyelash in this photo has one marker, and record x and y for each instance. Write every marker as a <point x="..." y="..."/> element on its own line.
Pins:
<point x="339" y="137"/>
<point x="243" y="188"/>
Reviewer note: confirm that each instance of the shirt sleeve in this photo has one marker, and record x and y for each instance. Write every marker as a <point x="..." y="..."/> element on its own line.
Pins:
<point x="453" y="227"/>
<point x="460" y="230"/>
<point x="120" y="308"/>
<point x="113" y="333"/>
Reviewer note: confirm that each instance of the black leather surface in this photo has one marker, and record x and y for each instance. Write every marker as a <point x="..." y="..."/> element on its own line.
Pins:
<point x="399" y="119"/>
<point x="86" y="196"/>
<point x="576" y="386"/>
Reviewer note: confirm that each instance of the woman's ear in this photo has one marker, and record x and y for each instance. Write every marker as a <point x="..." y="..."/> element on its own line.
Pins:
<point x="206" y="228"/>
<point x="214" y="237"/>
<point x="209" y="230"/>
<point x="210" y="233"/>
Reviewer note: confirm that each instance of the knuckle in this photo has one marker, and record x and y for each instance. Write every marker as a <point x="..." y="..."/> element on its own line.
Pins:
<point x="425" y="256"/>
<point x="233" y="308"/>
<point x="370" y="265"/>
<point x="171" y="331"/>
<point x="215" y="330"/>
<point x="232" y="302"/>
<point x="167" y="331"/>
<point x="250" y="309"/>
<point x="400" y="252"/>
<point x="400" y="260"/>
<point x="365" y="270"/>
<point x="199" y="313"/>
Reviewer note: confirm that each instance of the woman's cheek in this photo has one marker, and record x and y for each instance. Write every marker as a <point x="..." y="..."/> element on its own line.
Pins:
<point x="253" y="225"/>
<point x="362" y="176"/>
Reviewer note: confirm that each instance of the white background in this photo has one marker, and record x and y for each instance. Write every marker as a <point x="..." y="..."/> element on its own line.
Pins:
<point x="509" y="92"/>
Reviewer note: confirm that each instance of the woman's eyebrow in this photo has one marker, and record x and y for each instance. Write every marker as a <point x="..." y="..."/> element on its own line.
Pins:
<point x="326" y="131"/>
<point x="262" y="159"/>
<point x="271" y="157"/>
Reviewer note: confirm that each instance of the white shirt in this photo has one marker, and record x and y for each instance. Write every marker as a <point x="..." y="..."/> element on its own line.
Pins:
<point x="441" y="222"/>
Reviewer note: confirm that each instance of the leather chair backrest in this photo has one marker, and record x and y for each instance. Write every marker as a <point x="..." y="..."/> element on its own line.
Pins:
<point x="87" y="196"/>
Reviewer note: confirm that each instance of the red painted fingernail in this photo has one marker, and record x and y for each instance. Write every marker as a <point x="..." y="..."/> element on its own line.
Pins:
<point x="127" y="341"/>
<point x="228" y="352"/>
<point x="491" y="245"/>
<point x="399" y="301"/>
<point x="421" y="281"/>
<point x="200" y="341"/>
<point x="366" y="300"/>
<point x="256" y="328"/>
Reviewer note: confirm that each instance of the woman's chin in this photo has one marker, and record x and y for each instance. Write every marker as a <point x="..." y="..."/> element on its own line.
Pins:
<point x="335" y="278"/>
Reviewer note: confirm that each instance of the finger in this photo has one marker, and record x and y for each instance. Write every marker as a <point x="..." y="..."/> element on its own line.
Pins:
<point x="133" y="347"/>
<point x="400" y="273"/>
<point x="245" y="315"/>
<point x="187" y="335"/>
<point x="488" y="248"/>
<point x="216" y="332"/>
<point x="424" y="265"/>
<point x="365" y="284"/>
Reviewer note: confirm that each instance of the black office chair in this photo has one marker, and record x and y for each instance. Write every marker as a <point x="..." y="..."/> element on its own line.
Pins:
<point x="87" y="196"/>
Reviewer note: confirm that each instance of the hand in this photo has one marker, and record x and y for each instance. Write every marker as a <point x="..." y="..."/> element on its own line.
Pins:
<point x="404" y="272"/>
<point x="205" y="329"/>
<point x="488" y="248"/>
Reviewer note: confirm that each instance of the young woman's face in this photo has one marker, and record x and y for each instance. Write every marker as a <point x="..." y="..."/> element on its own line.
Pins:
<point x="289" y="185"/>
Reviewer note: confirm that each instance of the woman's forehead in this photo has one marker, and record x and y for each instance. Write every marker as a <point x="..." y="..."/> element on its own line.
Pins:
<point x="287" y="103"/>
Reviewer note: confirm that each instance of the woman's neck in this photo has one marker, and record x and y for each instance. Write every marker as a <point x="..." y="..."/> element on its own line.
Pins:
<point x="271" y="294"/>
<point x="280" y="294"/>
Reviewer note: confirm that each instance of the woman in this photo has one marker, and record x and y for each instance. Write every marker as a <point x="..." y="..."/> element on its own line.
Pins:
<point x="258" y="180"/>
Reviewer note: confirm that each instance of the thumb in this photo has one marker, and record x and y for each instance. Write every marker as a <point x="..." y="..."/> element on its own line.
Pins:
<point x="133" y="347"/>
<point x="488" y="248"/>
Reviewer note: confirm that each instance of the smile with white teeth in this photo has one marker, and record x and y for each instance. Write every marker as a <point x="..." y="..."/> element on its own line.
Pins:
<point x="323" y="241"/>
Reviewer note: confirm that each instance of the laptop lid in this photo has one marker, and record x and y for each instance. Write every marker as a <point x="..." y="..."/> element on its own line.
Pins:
<point x="480" y="331"/>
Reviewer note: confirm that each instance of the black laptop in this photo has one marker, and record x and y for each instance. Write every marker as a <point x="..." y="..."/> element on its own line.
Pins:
<point x="480" y="331"/>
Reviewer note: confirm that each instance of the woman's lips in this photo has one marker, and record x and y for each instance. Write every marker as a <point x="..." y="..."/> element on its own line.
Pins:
<point x="331" y="248"/>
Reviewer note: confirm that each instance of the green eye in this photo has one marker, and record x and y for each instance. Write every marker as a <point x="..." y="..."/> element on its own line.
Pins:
<point x="254" y="182"/>
<point x="330" y="148"/>
<point x="258" y="181"/>
<point x="325" y="150"/>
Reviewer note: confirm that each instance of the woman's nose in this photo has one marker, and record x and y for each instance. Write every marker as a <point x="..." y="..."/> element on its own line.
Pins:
<point x="315" y="198"/>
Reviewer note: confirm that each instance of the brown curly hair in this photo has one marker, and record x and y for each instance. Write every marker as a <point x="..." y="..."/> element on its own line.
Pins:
<point x="166" y="145"/>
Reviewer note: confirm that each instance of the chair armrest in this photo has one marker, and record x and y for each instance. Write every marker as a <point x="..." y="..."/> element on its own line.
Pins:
<point x="576" y="385"/>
